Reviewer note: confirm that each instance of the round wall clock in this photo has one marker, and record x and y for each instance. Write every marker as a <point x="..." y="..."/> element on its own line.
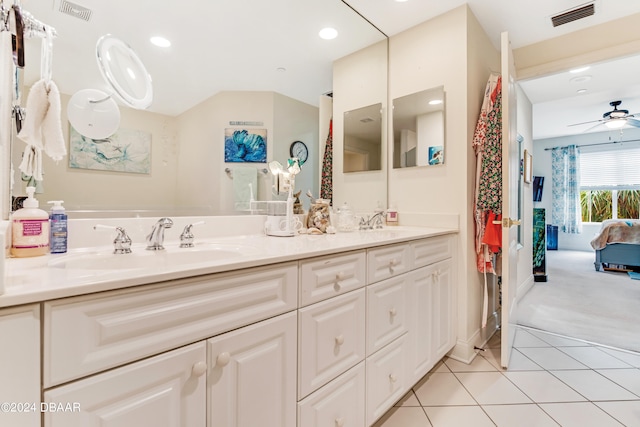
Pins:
<point x="299" y="149"/>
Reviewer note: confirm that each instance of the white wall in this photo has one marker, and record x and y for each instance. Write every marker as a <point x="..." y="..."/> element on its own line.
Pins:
<point x="542" y="167"/>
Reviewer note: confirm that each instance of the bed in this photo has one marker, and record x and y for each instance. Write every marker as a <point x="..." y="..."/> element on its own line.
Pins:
<point x="617" y="242"/>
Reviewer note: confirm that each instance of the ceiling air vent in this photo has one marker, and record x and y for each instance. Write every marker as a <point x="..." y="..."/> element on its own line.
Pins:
<point x="75" y="10"/>
<point x="573" y="15"/>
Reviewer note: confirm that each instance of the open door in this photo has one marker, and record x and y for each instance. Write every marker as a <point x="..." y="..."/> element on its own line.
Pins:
<point x="510" y="220"/>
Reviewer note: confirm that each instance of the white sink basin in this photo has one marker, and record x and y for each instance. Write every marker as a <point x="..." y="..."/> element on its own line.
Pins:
<point x="140" y="258"/>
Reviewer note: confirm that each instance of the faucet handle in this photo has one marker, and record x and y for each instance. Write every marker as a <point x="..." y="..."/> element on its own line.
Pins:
<point x="186" y="238"/>
<point x="122" y="242"/>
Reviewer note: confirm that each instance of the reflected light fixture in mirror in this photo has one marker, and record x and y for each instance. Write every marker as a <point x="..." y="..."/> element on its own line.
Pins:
<point x="418" y="127"/>
<point x="363" y="139"/>
<point x="93" y="113"/>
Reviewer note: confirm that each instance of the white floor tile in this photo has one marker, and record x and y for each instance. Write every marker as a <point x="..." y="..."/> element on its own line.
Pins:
<point x="594" y="358"/>
<point x="593" y="386"/>
<point x="529" y="415"/>
<point x="631" y="358"/>
<point x="440" y="389"/>
<point x="404" y="417"/>
<point x="457" y="416"/>
<point x="557" y="340"/>
<point x="551" y="358"/>
<point x="628" y="413"/>
<point x="581" y="414"/>
<point x="491" y="388"/>
<point x="541" y="386"/>
<point x="408" y="399"/>
<point x="479" y="364"/>
<point x="440" y="367"/>
<point x="520" y="362"/>
<point x="525" y="339"/>
<point x="627" y="378"/>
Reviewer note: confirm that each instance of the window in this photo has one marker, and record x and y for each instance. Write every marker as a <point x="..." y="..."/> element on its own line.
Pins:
<point x="609" y="183"/>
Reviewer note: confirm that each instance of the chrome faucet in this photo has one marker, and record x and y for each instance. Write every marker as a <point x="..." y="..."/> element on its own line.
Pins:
<point x="374" y="221"/>
<point x="156" y="238"/>
<point x="122" y="242"/>
<point x="186" y="238"/>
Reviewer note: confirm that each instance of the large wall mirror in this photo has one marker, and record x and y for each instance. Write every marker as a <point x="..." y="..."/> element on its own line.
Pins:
<point x="235" y="64"/>
<point x="418" y="129"/>
<point x="363" y="139"/>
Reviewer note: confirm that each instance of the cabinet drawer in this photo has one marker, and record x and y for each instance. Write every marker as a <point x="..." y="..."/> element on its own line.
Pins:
<point x="329" y="276"/>
<point x="387" y="313"/>
<point x="388" y="261"/>
<point x="84" y="335"/>
<point x="165" y="390"/>
<point x="331" y="339"/>
<point x="339" y="403"/>
<point x="432" y="250"/>
<point x="386" y="378"/>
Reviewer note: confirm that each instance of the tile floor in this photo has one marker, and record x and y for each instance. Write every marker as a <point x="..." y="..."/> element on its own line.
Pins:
<point x="551" y="381"/>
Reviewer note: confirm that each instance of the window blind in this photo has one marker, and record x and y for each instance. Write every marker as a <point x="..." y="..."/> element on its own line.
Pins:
<point x="610" y="170"/>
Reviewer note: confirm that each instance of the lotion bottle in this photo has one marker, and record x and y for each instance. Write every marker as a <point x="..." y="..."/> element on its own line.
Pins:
<point x="29" y="229"/>
<point x="58" y="224"/>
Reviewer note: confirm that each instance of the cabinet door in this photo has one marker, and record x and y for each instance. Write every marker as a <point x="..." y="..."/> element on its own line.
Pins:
<point x="420" y="336"/>
<point x="444" y="308"/>
<point x="386" y="312"/>
<point x="252" y="375"/>
<point x="20" y="365"/>
<point x="168" y="390"/>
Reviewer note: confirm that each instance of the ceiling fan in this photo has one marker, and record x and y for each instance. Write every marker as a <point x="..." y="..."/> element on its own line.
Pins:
<point x="613" y="119"/>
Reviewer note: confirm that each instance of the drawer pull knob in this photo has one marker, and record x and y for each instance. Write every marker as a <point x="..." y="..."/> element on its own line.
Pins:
<point x="223" y="359"/>
<point x="198" y="369"/>
<point x="339" y="422"/>
<point x="393" y="312"/>
<point x="340" y="340"/>
<point x="340" y="276"/>
<point x="393" y="262"/>
<point x="393" y="378"/>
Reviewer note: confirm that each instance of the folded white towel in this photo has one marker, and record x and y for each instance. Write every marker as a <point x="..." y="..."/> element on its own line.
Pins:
<point x="31" y="164"/>
<point x="245" y="179"/>
<point x="42" y="127"/>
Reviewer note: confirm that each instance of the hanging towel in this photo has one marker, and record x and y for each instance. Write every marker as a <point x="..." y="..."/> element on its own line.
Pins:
<point x="42" y="126"/>
<point x="326" y="186"/>
<point x="6" y="87"/>
<point x="245" y="180"/>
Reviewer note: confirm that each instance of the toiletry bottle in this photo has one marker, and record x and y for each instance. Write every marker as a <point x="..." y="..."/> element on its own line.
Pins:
<point x="392" y="216"/>
<point x="29" y="229"/>
<point x="58" y="221"/>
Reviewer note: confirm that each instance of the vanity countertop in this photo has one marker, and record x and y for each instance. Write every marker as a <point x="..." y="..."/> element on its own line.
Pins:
<point x="37" y="279"/>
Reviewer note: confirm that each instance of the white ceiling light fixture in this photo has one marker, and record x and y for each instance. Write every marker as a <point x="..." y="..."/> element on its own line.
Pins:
<point x="581" y="91"/>
<point x="328" y="33"/>
<point x="435" y="102"/>
<point x="579" y="70"/>
<point x="160" y="41"/>
<point x="615" y="123"/>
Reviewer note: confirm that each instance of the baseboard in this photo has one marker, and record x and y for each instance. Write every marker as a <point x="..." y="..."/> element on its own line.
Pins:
<point x="465" y="351"/>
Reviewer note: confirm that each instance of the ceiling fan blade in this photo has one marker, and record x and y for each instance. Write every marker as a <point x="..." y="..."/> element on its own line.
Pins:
<point x="593" y="127"/>
<point x="585" y="123"/>
<point x="633" y="122"/>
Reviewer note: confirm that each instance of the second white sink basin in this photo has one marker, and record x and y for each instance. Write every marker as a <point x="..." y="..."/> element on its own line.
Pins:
<point x="140" y="258"/>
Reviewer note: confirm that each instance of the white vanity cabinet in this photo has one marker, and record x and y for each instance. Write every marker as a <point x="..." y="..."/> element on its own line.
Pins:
<point x="20" y="366"/>
<point x="252" y="375"/>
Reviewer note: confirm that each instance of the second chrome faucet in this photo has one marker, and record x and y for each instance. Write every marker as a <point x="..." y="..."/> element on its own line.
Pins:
<point x="156" y="238"/>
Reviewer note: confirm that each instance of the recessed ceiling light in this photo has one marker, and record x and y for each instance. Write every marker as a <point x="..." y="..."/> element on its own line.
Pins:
<point x="580" y="79"/>
<point x="579" y="70"/>
<point x="581" y="90"/>
<point x="281" y="69"/>
<point x="435" y="102"/>
<point x="328" y="33"/>
<point x="160" y="41"/>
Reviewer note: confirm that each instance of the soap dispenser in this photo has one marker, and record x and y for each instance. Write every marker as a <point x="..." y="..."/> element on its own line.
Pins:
<point x="29" y="229"/>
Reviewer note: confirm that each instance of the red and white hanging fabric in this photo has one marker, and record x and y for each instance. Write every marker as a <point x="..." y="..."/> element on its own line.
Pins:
<point x="487" y="143"/>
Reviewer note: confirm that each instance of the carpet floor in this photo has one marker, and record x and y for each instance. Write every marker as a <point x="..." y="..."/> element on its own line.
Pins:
<point x="577" y="301"/>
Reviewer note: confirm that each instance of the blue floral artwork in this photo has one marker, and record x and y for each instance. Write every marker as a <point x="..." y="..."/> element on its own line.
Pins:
<point x="436" y="155"/>
<point x="241" y="145"/>
<point x="125" y="151"/>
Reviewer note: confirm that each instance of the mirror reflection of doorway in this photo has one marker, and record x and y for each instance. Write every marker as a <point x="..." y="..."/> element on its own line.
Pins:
<point x="355" y="161"/>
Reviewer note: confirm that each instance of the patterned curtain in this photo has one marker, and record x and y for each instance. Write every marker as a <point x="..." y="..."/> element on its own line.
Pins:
<point x="566" y="212"/>
<point x="326" y="186"/>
